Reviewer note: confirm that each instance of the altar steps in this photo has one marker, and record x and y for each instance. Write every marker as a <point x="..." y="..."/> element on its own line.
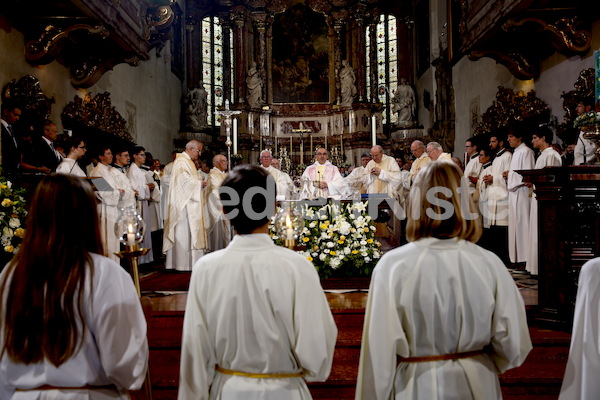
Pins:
<point x="539" y="378"/>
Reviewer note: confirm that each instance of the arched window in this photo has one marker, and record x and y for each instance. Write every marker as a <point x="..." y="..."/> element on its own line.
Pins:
<point x="386" y="64"/>
<point x="212" y="64"/>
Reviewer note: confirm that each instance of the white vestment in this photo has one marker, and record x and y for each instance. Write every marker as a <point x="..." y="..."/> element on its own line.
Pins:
<point x="388" y="180"/>
<point x="473" y="168"/>
<point x="519" y="204"/>
<point x="254" y="307"/>
<point x="70" y="167"/>
<point x="349" y="185"/>
<point x="123" y="183"/>
<point x="218" y="227"/>
<point x="107" y="209"/>
<point x="418" y="164"/>
<point x="581" y="381"/>
<point x="165" y="180"/>
<point x="114" y="349"/>
<point x="497" y="193"/>
<point x="548" y="158"/>
<point x="585" y="151"/>
<point x="284" y="186"/>
<point x="437" y="297"/>
<point x="155" y="202"/>
<point x="139" y="182"/>
<point x="185" y="236"/>
<point x="327" y="172"/>
<point x="483" y="189"/>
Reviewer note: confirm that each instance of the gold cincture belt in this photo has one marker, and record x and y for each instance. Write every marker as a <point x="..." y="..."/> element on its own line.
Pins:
<point x="85" y="387"/>
<point x="452" y="356"/>
<point x="257" y="376"/>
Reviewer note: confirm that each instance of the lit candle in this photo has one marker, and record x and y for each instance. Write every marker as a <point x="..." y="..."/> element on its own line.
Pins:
<point x="235" y="136"/>
<point x="290" y="231"/>
<point x="374" y="129"/>
<point x="130" y="235"/>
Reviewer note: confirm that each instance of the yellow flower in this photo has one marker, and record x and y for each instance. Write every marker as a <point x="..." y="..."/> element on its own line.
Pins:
<point x="3" y="186"/>
<point x="20" y="233"/>
<point x="366" y="230"/>
<point x="327" y="223"/>
<point x="333" y="253"/>
<point x="9" y="249"/>
<point x="309" y="258"/>
<point x="323" y="226"/>
<point x="342" y="237"/>
<point x="6" y="203"/>
<point x="330" y="233"/>
<point x="340" y="241"/>
<point x="369" y="241"/>
<point x="316" y="247"/>
<point x="352" y="230"/>
<point x="354" y="251"/>
<point x="305" y="239"/>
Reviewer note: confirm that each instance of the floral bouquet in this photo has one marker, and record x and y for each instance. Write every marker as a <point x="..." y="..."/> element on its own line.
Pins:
<point x="589" y="118"/>
<point x="339" y="239"/>
<point x="12" y="217"/>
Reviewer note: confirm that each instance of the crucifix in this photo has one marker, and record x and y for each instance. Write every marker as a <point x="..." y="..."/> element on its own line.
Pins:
<point x="302" y="130"/>
<point x="227" y="113"/>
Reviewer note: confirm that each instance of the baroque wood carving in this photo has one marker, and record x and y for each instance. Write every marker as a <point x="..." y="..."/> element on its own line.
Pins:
<point x="510" y="107"/>
<point x="97" y="112"/>
<point x="27" y="93"/>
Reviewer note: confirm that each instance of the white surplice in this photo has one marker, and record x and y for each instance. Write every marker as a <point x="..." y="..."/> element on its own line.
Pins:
<point x="114" y="350"/>
<point x="254" y="307"/>
<point x="519" y="204"/>
<point x="497" y="193"/>
<point x="218" y="227"/>
<point x="139" y="182"/>
<point x="585" y="151"/>
<point x="69" y="166"/>
<point x="548" y="158"/>
<point x="473" y="168"/>
<point x="483" y="189"/>
<point x="185" y="235"/>
<point x="327" y="172"/>
<point x="435" y="297"/>
<point x="283" y="182"/>
<point x="107" y="209"/>
<point x="581" y="381"/>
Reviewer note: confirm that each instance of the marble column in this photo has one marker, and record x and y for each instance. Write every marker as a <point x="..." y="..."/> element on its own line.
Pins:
<point x="227" y="61"/>
<point x="373" y="61"/>
<point x="261" y="26"/>
<point x="240" y="59"/>
<point x="360" y="58"/>
<point x="337" y="54"/>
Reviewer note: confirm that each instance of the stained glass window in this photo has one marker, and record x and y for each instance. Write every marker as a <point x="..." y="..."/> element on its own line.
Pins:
<point x="386" y="63"/>
<point x="212" y="64"/>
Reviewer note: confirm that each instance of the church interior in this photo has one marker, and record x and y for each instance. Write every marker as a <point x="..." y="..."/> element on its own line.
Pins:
<point x="291" y="76"/>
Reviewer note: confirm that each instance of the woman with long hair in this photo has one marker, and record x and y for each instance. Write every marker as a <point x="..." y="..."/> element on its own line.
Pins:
<point x="444" y="317"/>
<point x="71" y="323"/>
<point x="68" y="165"/>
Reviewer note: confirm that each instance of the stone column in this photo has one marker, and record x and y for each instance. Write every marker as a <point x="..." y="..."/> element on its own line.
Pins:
<point x="373" y="61"/>
<point x="360" y="58"/>
<point x="193" y="53"/>
<point x="240" y="59"/>
<point x="261" y="26"/>
<point x="338" y="24"/>
<point x="227" y="61"/>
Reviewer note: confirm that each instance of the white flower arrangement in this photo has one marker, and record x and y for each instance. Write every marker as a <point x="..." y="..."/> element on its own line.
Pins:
<point x="339" y="239"/>
<point x="589" y="118"/>
<point x="12" y="217"/>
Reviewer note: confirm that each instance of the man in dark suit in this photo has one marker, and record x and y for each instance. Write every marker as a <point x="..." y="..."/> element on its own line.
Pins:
<point x="11" y="153"/>
<point x="44" y="156"/>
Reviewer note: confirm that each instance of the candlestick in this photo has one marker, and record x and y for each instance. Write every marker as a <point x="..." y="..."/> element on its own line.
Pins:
<point x="235" y="136"/>
<point x="374" y="129"/>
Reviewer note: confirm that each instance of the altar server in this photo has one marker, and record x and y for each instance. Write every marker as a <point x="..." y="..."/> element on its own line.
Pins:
<point x="144" y="188"/>
<point x="548" y="157"/>
<point x="185" y="235"/>
<point x="71" y="323"/>
<point x="583" y="366"/>
<point x="257" y="324"/>
<point x="519" y="198"/>
<point x="444" y="317"/>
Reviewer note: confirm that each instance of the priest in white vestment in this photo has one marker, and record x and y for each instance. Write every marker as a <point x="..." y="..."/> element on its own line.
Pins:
<point x="321" y="174"/>
<point x="284" y="187"/>
<point x="585" y="149"/>
<point x="185" y="234"/>
<point x="107" y="208"/>
<point x="139" y="182"/>
<point x="354" y="183"/>
<point x="383" y="173"/>
<point x="436" y="152"/>
<point x="218" y="227"/>
<point x="581" y="381"/>
<point x="257" y="323"/>
<point x="417" y="149"/>
<point x="519" y="199"/>
<point x="444" y="316"/>
<point x="548" y="157"/>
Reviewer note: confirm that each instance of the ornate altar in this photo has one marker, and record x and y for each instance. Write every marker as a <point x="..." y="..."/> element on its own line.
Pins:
<point x="569" y="235"/>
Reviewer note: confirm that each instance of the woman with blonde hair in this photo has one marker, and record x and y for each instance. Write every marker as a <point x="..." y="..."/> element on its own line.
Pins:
<point x="444" y="316"/>
<point x="71" y="323"/>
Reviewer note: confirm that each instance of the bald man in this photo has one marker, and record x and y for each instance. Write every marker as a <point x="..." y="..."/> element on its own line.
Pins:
<point x="383" y="173"/>
<point x="185" y="234"/>
<point x="417" y="148"/>
<point x="284" y="185"/>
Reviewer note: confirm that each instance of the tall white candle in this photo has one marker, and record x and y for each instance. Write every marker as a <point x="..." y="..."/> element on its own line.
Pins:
<point x="374" y="129"/>
<point x="289" y="229"/>
<point x="130" y="235"/>
<point x="235" y="136"/>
